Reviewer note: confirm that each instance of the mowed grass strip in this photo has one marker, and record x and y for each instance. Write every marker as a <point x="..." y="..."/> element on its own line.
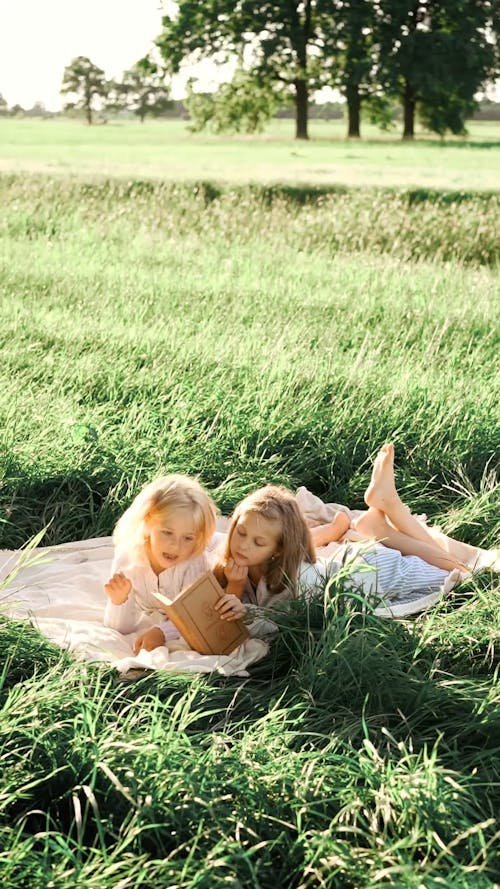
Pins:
<point x="166" y="150"/>
<point x="148" y="328"/>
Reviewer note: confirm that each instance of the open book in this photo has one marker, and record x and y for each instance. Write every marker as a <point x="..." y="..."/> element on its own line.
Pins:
<point x="198" y="622"/>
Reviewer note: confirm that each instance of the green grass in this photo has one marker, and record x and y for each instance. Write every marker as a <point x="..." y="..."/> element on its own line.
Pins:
<point x="251" y="335"/>
<point x="167" y="151"/>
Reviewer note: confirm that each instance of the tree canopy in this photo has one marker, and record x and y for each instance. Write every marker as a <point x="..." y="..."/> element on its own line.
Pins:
<point x="279" y="43"/>
<point x="431" y="55"/>
<point x="434" y="55"/>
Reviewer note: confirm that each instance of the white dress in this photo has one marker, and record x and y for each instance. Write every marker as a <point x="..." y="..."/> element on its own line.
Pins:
<point x="142" y="610"/>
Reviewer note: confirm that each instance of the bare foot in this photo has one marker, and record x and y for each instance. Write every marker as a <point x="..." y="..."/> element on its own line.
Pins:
<point x="487" y="560"/>
<point x="381" y="492"/>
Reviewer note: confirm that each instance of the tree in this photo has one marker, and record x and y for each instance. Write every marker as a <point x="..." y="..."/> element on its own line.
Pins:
<point x="435" y="54"/>
<point x="243" y="105"/>
<point x="279" y="43"/>
<point x="37" y="110"/>
<point x="348" y="49"/>
<point x="142" y="90"/>
<point x="87" y="82"/>
<point x="4" y="108"/>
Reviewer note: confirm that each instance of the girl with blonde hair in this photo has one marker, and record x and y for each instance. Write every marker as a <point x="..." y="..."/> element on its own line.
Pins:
<point x="160" y="546"/>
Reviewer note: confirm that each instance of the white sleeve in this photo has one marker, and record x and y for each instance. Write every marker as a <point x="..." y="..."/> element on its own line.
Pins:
<point x="169" y="630"/>
<point x="311" y="578"/>
<point x="123" y="618"/>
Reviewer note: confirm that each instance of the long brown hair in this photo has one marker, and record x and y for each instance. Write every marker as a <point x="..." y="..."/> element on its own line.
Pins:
<point x="276" y="503"/>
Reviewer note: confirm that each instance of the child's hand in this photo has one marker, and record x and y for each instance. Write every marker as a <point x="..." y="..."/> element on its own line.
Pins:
<point x="149" y="640"/>
<point x="236" y="576"/>
<point x="230" y="607"/>
<point x="118" y="588"/>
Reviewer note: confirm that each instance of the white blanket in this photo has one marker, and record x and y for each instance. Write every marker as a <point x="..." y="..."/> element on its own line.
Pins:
<point x="60" y="590"/>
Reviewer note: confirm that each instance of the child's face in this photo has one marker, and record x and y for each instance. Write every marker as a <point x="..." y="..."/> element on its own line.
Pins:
<point x="254" y="539"/>
<point x="172" y="538"/>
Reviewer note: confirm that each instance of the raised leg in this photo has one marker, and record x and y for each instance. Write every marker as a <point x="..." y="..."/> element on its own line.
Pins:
<point x="381" y="494"/>
<point x="373" y="525"/>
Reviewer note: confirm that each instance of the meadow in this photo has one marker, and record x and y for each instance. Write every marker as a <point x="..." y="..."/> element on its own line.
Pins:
<point x="222" y="307"/>
<point x="164" y="150"/>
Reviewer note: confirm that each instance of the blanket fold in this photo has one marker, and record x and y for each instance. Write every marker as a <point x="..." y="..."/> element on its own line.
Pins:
<point x="60" y="591"/>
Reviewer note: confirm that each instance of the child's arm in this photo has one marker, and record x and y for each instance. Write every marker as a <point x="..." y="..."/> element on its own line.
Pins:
<point x="118" y="588"/>
<point x="333" y="531"/>
<point x="120" y="612"/>
<point x="231" y="576"/>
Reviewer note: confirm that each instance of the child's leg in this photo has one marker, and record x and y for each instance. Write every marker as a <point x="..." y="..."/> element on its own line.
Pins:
<point x="472" y="556"/>
<point x="382" y="494"/>
<point x="373" y="525"/>
<point x="332" y="531"/>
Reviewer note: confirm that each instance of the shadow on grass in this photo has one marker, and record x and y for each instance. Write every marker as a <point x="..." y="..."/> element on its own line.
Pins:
<point x="74" y="504"/>
<point x="299" y="195"/>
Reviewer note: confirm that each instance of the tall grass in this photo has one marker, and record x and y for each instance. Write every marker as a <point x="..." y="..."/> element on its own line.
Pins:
<point x="250" y="336"/>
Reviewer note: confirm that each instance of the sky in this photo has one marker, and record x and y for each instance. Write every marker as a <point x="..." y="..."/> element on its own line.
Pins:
<point x="38" y="38"/>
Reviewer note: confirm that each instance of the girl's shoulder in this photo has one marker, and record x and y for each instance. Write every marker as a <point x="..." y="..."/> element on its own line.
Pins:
<point x="264" y="598"/>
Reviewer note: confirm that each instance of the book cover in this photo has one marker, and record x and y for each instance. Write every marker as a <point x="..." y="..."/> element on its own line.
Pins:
<point x="198" y="622"/>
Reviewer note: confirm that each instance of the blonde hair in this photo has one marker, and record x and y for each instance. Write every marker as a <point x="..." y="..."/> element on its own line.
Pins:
<point x="157" y="499"/>
<point x="274" y="502"/>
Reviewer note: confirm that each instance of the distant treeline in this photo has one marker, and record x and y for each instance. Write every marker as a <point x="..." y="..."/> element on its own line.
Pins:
<point x="487" y="110"/>
<point x="403" y="60"/>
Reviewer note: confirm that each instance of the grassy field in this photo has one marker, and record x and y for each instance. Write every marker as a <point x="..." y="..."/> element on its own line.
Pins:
<point x="166" y="151"/>
<point x="249" y="334"/>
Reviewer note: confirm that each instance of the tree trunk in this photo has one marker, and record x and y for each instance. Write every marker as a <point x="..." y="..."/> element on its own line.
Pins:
<point x="301" y="109"/>
<point x="353" y="111"/>
<point x="409" y="111"/>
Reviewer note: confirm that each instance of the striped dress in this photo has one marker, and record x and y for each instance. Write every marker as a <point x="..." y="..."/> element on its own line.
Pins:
<point x="396" y="585"/>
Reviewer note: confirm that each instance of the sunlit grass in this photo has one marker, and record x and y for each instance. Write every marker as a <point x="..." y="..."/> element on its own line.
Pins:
<point x="166" y="150"/>
<point x="252" y="336"/>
